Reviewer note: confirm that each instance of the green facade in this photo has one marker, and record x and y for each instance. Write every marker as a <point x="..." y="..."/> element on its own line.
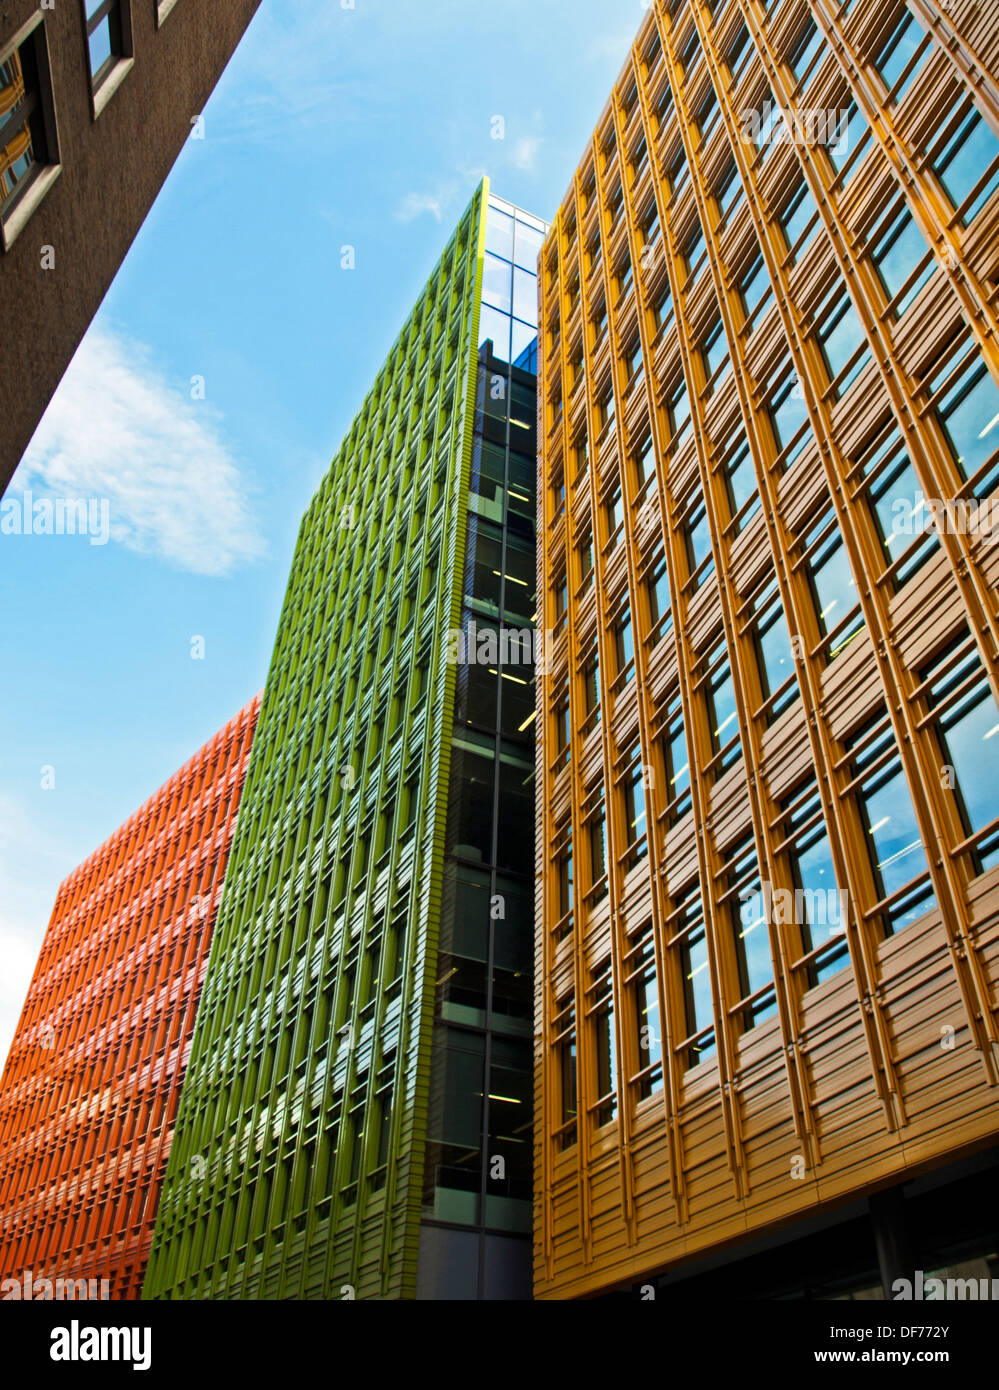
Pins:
<point x="355" y="1115"/>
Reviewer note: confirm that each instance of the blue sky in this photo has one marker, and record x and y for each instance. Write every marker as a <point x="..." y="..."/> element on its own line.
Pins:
<point x="367" y="126"/>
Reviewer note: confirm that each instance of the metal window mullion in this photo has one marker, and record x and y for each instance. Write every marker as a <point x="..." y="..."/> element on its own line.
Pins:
<point x="584" y="1070"/>
<point x="708" y="855"/>
<point x="949" y="890"/>
<point x="99" y="15"/>
<point x="977" y="309"/>
<point x="809" y="677"/>
<point x="544" y="954"/>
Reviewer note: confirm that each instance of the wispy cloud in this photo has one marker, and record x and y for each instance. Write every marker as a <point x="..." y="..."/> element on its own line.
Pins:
<point x="118" y="429"/>
<point x="612" y="47"/>
<point x="415" y="204"/>
<point x="525" y="153"/>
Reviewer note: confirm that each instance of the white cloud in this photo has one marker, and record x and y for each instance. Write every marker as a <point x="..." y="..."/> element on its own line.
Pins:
<point x="415" y="204"/>
<point x="525" y="153"/>
<point x="612" y="47"/>
<point x="118" y="429"/>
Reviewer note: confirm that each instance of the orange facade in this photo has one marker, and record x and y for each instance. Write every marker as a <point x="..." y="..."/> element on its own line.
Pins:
<point x="764" y="357"/>
<point x="90" y="1089"/>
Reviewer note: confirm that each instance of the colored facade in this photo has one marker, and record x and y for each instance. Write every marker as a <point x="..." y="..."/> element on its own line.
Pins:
<point x="768" y="847"/>
<point x="97" y="98"/>
<point x="90" y="1089"/>
<point x="360" y="1080"/>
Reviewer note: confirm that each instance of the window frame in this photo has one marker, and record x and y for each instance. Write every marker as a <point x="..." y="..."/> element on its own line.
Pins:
<point x="22" y="203"/>
<point x="117" y="66"/>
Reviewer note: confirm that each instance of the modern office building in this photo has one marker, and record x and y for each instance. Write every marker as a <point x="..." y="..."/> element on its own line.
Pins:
<point x="96" y="100"/>
<point x="768" y="824"/>
<point x="90" y="1089"/>
<point x="360" y="1081"/>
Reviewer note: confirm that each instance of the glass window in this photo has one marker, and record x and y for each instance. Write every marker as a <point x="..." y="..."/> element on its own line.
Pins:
<point x="634" y="808"/>
<point x="723" y="717"/>
<point x="690" y="51"/>
<point x="694" y="249"/>
<point x="808" y="44"/>
<point x="499" y="233"/>
<point x="899" y="508"/>
<point x="508" y="1199"/>
<point x="891" y="831"/>
<point x="663" y="309"/>
<point x="664" y="105"/>
<point x="645" y="461"/>
<point x="897" y="248"/>
<point x="635" y="360"/>
<point x="740" y="483"/>
<point x="106" y="37"/>
<point x="645" y="994"/>
<point x="514" y="822"/>
<point x="591" y="685"/>
<point x="624" y="275"/>
<point x="650" y="225"/>
<point x="525" y="296"/>
<point x="969" y="152"/>
<point x="677" y="174"/>
<point x="615" y="509"/>
<point x="697" y="535"/>
<point x="715" y="349"/>
<point x="585" y="552"/>
<point x="967" y="727"/>
<point x="728" y="189"/>
<point x="773" y="650"/>
<point x="659" y="604"/>
<point x="598" y="850"/>
<point x="754" y="285"/>
<point x="677" y="763"/>
<point x="799" y="213"/>
<point x="750" y="940"/>
<point x="563" y="868"/>
<point x="818" y="909"/>
<point x="840" y="336"/>
<point x="851" y="131"/>
<point x="789" y="417"/>
<point x="524" y="351"/>
<point x="623" y="643"/>
<point x="679" y="408"/>
<point x="453" y="1167"/>
<point x="496" y="283"/>
<point x="707" y="114"/>
<point x="688" y="944"/>
<point x="738" y="53"/>
<point x="836" y="599"/>
<point x="604" y="1049"/>
<point x="527" y="247"/>
<point x="494" y="327"/>
<point x="24" y="143"/>
<point x="897" y="52"/>
<point x="565" y="1071"/>
<point x="968" y="411"/>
